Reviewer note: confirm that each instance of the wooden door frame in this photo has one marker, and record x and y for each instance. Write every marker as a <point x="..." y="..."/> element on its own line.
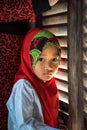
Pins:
<point x="75" y="64"/>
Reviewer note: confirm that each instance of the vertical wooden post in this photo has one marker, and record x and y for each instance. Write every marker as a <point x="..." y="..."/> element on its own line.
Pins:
<point x="75" y="65"/>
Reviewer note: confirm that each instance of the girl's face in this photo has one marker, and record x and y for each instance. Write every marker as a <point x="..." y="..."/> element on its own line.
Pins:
<point x="47" y="63"/>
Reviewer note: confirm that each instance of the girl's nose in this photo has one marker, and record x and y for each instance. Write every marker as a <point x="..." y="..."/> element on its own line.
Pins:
<point x="48" y="65"/>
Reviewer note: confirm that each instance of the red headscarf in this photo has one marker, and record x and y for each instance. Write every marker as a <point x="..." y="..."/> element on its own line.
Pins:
<point x="47" y="92"/>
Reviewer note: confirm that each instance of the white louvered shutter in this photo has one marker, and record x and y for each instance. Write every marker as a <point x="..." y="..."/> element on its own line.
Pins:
<point x="55" y="20"/>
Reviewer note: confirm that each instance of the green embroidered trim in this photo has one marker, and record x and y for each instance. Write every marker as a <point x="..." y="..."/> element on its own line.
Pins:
<point x="35" y="53"/>
<point x="51" y="44"/>
<point x="45" y="34"/>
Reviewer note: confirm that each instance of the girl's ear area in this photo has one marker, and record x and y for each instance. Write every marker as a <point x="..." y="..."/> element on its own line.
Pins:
<point x="52" y="2"/>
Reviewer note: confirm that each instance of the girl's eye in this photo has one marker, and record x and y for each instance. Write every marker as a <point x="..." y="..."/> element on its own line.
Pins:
<point x="41" y="59"/>
<point x="55" y="59"/>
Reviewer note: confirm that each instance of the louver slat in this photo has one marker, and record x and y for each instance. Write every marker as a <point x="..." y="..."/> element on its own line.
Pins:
<point x="62" y="86"/>
<point x="57" y="9"/>
<point x="57" y="30"/>
<point x="63" y="64"/>
<point x="55" y="19"/>
<point x="61" y="74"/>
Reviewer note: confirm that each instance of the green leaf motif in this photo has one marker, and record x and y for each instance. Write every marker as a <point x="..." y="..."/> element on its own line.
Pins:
<point x="35" y="54"/>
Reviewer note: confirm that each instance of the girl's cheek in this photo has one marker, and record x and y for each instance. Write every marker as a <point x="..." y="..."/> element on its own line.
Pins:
<point x="55" y="65"/>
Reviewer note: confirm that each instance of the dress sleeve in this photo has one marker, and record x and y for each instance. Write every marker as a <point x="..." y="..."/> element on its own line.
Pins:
<point x="40" y="6"/>
<point x="23" y="106"/>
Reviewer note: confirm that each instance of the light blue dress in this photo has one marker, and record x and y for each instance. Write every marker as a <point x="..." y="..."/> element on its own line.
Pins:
<point x="25" y="112"/>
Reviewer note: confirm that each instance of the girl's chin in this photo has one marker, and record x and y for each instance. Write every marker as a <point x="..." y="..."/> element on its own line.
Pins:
<point x="44" y="79"/>
<point x="47" y="79"/>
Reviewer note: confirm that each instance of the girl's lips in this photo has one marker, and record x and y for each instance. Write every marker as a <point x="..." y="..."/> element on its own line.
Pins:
<point x="48" y="73"/>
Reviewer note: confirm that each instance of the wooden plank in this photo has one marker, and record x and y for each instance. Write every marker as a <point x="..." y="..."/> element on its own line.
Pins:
<point x="85" y="107"/>
<point x="63" y="41"/>
<point x="63" y="64"/>
<point x="84" y="55"/>
<point x="85" y="81"/>
<point x="85" y="41"/>
<point x="58" y="8"/>
<point x="85" y="27"/>
<point x="85" y="95"/>
<point x="63" y="97"/>
<point x="64" y="53"/>
<point x="55" y="19"/>
<point x="63" y="86"/>
<point x="85" y="67"/>
<point x="58" y="31"/>
<point x="62" y="75"/>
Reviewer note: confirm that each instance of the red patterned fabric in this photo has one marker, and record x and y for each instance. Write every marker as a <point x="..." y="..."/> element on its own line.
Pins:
<point x="11" y="10"/>
<point x="9" y="61"/>
<point x="16" y="10"/>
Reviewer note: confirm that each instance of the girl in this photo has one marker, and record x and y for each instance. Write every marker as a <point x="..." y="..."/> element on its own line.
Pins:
<point x="16" y="18"/>
<point x="33" y="104"/>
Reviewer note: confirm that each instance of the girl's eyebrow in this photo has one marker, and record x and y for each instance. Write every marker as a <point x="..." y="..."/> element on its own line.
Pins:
<point x="55" y="54"/>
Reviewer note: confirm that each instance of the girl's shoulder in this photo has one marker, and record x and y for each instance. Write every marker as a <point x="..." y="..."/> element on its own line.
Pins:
<point x="22" y="81"/>
<point x="23" y="85"/>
